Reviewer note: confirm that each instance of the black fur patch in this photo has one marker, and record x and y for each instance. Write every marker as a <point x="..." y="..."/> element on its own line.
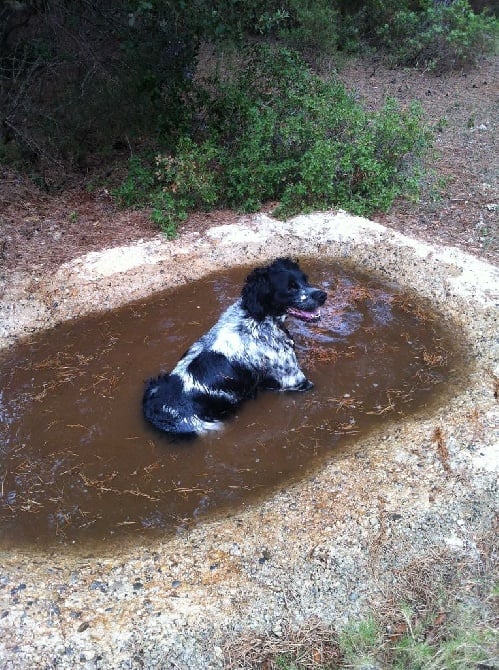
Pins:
<point x="215" y="371"/>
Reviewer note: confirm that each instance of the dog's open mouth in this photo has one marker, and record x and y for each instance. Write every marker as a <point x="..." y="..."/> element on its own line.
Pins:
<point x="314" y="315"/>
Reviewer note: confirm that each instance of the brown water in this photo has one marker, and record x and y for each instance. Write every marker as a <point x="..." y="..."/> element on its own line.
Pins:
<point x="78" y="462"/>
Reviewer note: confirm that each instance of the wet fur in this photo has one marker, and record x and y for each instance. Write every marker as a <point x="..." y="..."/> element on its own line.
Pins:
<point x="247" y="349"/>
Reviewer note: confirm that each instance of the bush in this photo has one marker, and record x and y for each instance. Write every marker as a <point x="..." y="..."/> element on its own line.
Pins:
<point x="82" y="78"/>
<point x="368" y="161"/>
<point x="435" y="33"/>
<point x="440" y="36"/>
<point x="138" y="184"/>
<point x="80" y="82"/>
<point x="274" y="131"/>
<point x="312" y="26"/>
<point x="173" y="185"/>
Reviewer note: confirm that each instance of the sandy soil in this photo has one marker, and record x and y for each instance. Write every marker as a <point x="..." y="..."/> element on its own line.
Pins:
<point x="326" y="548"/>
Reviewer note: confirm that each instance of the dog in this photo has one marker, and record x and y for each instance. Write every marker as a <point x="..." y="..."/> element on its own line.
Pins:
<point x="247" y="349"/>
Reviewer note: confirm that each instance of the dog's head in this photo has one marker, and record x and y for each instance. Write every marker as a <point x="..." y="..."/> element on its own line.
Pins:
<point x="279" y="289"/>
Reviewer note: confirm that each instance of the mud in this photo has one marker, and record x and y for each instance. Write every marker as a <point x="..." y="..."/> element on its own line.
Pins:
<point x="79" y="463"/>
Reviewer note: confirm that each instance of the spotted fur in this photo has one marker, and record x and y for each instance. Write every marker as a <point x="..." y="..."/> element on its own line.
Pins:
<point x="246" y="350"/>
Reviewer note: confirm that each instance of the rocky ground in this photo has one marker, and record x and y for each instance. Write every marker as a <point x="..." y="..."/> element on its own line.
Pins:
<point x="414" y="503"/>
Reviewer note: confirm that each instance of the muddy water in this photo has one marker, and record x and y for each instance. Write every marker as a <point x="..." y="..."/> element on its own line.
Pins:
<point x="79" y="463"/>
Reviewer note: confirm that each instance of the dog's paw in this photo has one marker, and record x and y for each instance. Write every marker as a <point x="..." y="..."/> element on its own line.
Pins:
<point x="305" y="385"/>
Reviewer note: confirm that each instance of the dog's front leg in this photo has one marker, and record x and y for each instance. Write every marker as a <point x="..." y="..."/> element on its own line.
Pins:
<point x="295" y="381"/>
<point x="285" y="375"/>
<point x="305" y="385"/>
<point x="270" y="384"/>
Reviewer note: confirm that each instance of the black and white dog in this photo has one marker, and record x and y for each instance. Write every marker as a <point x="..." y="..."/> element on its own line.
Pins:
<point x="247" y="349"/>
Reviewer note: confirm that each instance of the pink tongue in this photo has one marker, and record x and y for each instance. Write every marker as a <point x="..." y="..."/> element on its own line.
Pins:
<point x="303" y="315"/>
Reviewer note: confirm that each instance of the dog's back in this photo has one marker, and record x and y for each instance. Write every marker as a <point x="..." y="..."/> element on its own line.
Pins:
<point x="206" y="386"/>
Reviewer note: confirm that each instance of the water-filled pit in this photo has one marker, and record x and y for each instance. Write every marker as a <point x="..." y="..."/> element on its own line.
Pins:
<point x="79" y="462"/>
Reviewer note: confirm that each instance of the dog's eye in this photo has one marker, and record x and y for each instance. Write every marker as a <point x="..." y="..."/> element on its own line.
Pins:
<point x="292" y="285"/>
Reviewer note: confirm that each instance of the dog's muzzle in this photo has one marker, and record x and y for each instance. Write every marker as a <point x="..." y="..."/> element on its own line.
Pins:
<point x="310" y="309"/>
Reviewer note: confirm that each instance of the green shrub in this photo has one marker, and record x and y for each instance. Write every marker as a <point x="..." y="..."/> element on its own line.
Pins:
<point x="312" y="26"/>
<point x="81" y="81"/>
<point x="364" y="166"/>
<point x="326" y="25"/>
<point x="136" y="188"/>
<point x="191" y="174"/>
<point x="444" y="34"/>
<point x="440" y="36"/>
<point x="274" y="131"/>
<point x="173" y="185"/>
<point x="292" y="137"/>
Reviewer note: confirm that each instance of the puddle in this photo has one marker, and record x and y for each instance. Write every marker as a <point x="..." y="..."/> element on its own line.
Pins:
<point x="78" y="462"/>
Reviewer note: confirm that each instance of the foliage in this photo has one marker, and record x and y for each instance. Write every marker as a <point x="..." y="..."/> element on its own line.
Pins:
<point x="315" y="26"/>
<point x="369" y="160"/>
<point x="440" y="35"/>
<point x="137" y="184"/>
<point x="185" y="182"/>
<point x="273" y="131"/>
<point x="80" y="83"/>
<point x="444" y="34"/>
<point x="77" y="78"/>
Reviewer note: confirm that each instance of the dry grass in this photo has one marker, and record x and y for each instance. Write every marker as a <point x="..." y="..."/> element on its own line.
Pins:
<point x="439" y="611"/>
<point x="435" y="359"/>
<point x="312" y="646"/>
<point x="406" y="303"/>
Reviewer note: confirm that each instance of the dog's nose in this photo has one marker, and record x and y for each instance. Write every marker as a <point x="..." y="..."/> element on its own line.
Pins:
<point x="319" y="296"/>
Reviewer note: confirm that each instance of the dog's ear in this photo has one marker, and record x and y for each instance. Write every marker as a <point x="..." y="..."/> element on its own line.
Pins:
<point x="256" y="293"/>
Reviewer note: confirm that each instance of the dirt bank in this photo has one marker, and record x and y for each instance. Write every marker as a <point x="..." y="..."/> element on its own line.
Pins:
<point x="327" y="547"/>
